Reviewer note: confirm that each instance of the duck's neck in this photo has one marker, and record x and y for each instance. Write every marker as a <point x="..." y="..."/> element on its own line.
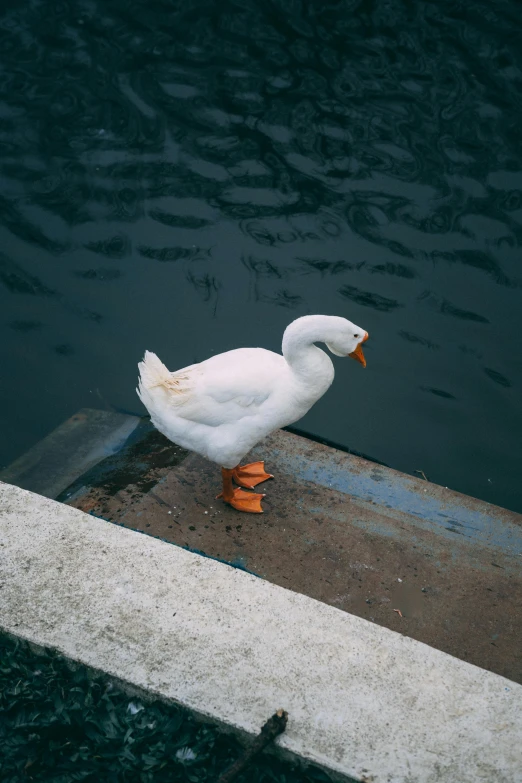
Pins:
<point x="310" y="363"/>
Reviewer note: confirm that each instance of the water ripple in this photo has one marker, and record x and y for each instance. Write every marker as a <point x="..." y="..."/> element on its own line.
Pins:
<point x="172" y="167"/>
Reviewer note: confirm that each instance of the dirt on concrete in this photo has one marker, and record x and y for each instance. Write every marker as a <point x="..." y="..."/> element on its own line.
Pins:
<point x="348" y="552"/>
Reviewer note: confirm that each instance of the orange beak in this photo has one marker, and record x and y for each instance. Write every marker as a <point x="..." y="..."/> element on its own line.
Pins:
<point x="358" y="353"/>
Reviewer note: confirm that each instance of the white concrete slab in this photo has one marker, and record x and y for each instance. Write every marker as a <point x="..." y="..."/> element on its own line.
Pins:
<point x="362" y="700"/>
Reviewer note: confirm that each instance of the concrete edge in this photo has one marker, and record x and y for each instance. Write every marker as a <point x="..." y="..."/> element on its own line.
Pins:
<point x="430" y="506"/>
<point x="75" y="446"/>
<point x="363" y="701"/>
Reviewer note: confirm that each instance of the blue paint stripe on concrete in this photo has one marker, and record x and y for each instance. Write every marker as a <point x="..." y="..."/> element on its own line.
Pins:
<point x="432" y="506"/>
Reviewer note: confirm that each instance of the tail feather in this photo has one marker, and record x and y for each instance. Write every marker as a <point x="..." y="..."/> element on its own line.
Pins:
<point x="155" y="376"/>
<point x="152" y="371"/>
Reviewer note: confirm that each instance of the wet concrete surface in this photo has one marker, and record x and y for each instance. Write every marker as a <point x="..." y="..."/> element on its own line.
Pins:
<point x="73" y="448"/>
<point x="145" y="459"/>
<point x="427" y="562"/>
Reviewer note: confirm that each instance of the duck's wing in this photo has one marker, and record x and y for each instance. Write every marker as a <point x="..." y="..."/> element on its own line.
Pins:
<point x="221" y="390"/>
<point x="230" y="386"/>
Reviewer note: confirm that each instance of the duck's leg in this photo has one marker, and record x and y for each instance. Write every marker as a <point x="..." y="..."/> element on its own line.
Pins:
<point x="238" y="498"/>
<point x="250" y="476"/>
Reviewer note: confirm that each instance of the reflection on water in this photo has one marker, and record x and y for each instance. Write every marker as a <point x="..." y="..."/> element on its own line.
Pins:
<point x="189" y="177"/>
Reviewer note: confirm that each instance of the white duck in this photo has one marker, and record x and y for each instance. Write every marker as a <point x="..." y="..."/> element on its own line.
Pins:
<point x="223" y="406"/>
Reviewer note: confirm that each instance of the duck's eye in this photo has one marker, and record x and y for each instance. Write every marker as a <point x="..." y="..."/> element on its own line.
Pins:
<point x="356" y="335"/>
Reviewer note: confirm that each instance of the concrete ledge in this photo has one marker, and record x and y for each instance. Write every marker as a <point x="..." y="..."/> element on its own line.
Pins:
<point x="74" y="447"/>
<point x="363" y="701"/>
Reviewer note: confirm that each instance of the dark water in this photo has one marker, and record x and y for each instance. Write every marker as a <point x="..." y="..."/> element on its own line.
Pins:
<point x="189" y="177"/>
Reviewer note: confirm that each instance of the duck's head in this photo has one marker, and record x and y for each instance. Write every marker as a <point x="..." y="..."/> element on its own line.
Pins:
<point x="348" y="340"/>
<point x="342" y="337"/>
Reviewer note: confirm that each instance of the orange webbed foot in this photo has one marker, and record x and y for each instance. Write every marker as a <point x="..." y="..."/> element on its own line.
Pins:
<point x="244" y="501"/>
<point x="249" y="476"/>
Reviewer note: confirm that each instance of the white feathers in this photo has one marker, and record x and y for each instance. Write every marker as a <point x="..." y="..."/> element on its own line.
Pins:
<point x="223" y="406"/>
<point x="154" y="375"/>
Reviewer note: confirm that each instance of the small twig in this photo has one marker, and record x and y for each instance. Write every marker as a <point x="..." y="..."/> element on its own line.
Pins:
<point x="272" y="728"/>
<point x="422" y="473"/>
<point x="398" y="612"/>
